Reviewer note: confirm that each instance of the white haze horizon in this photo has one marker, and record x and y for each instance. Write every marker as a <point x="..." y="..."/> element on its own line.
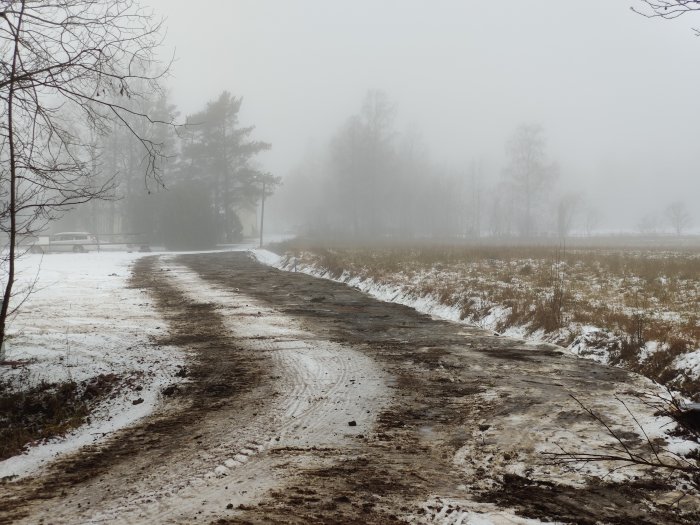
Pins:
<point x="615" y="92"/>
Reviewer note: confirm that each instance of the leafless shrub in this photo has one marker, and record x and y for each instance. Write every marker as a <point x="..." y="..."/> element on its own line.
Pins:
<point x="668" y="9"/>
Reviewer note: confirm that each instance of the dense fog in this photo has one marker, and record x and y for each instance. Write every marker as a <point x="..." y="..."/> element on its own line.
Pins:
<point x="453" y="119"/>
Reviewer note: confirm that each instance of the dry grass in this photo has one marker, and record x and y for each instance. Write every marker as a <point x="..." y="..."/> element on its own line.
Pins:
<point x="46" y="410"/>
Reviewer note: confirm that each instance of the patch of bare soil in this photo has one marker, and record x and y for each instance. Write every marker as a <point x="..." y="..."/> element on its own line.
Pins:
<point x="598" y="502"/>
<point x="310" y="402"/>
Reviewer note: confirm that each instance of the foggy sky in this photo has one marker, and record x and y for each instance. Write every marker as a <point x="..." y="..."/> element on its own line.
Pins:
<point x="616" y="93"/>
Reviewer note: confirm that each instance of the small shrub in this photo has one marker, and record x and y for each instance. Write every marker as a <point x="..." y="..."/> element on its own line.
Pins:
<point x="526" y="270"/>
<point x="187" y="220"/>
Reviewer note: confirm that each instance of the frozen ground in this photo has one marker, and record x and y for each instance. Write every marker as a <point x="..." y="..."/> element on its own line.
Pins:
<point x="415" y="288"/>
<point x="82" y="320"/>
<point x="307" y="401"/>
<point x="657" y="427"/>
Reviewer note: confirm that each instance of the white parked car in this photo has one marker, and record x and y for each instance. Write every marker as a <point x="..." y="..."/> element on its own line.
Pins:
<point x="77" y="242"/>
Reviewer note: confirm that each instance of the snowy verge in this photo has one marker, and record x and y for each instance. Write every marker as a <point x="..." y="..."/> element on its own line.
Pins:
<point x="82" y="320"/>
<point x="655" y="427"/>
<point x="400" y="294"/>
<point x="589" y="342"/>
<point x="383" y="292"/>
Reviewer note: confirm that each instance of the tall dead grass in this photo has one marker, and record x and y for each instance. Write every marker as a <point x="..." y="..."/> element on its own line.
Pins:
<point x="638" y="294"/>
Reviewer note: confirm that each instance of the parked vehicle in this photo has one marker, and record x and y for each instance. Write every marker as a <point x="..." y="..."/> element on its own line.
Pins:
<point x="77" y="242"/>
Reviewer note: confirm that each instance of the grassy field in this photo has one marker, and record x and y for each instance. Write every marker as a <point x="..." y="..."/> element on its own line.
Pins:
<point x="637" y="307"/>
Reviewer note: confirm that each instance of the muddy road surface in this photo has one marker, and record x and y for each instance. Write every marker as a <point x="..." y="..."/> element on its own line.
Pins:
<point x="306" y="401"/>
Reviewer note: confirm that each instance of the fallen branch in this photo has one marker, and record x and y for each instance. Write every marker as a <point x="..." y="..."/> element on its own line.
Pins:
<point x="652" y="456"/>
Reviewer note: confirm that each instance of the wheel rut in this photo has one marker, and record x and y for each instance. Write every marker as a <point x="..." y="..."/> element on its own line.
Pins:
<point x="309" y="402"/>
<point x="296" y="417"/>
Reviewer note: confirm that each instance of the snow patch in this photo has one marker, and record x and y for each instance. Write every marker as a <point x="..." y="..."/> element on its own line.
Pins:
<point x="80" y="321"/>
<point x="593" y="343"/>
<point x="266" y="257"/>
<point x="690" y="362"/>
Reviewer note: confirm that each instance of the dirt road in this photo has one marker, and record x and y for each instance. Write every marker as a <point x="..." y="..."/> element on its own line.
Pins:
<point x="309" y="402"/>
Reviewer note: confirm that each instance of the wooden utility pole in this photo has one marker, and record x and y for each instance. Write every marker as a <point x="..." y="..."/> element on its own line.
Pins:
<point x="262" y="213"/>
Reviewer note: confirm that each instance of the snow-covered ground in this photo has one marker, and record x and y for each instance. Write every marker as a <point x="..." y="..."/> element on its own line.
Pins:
<point x="82" y="320"/>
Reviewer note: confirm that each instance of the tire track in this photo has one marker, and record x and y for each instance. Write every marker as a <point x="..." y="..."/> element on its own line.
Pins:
<point x="318" y="381"/>
<point x="442" y="511"/>
<point x="316" y="385"/>
<point x="458" y="443"/>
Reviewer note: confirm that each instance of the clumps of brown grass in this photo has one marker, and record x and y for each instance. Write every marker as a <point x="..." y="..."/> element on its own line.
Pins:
<point x="331" y="262"/>
<point x="46" y="410"/>
<point x="626" y="351"/>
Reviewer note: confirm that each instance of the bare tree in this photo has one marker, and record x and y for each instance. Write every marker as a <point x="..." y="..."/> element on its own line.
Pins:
<point x="68" y="69"/>
<point x="567" y="208"/>
<point x="649" y="224"/>
<point x="476" y="190"/>
<point x="362" y="161"/>
<point x="678" y="216"/>
<point x="668" y="9"/>
<point x="528" y="172"/>
<point x="591" y="219"/>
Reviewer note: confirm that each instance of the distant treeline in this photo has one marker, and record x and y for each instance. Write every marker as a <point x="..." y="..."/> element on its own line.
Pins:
<point x="207" y="188"/>
<point x="372" y="182"/>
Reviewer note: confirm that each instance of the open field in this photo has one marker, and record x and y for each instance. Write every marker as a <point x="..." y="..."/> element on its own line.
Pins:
<point x="636" y="307"/>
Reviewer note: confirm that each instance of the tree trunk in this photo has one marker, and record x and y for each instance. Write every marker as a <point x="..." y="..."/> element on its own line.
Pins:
<point x="13" y="184"/>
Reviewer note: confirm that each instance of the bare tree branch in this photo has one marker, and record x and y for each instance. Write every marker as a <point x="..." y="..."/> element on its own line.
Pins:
<point x="654" y="457"/>
<point x="668" y="9"/>
<point x="70" y="70"/>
